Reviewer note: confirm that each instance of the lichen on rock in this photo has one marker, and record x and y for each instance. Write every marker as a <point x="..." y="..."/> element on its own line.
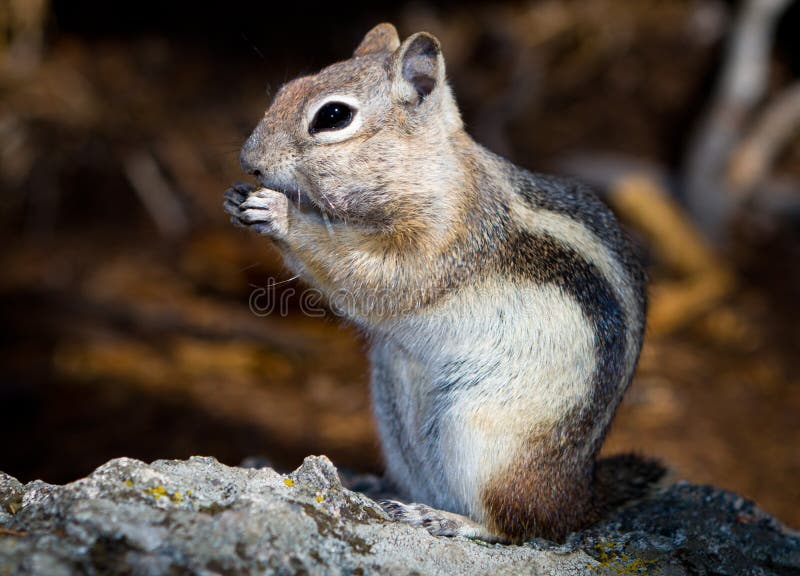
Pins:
<point x="200" y="516"/>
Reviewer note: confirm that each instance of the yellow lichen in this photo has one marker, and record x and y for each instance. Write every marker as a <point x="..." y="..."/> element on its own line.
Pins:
<point x="320" y="498"/>
<point x="620" y="563"/>
<point x="128" y="483"/>
<point x="157" y="491"/>
<point x="289" y="482"/>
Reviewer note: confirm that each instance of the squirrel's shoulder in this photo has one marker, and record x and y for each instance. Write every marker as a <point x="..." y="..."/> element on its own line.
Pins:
<point x="557" y="229"/>
<point x="575" y="200"/>
<point x="566" y="196"/>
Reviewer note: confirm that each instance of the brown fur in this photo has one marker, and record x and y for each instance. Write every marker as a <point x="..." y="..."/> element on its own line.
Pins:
<point x="407" y="211"/>
<point x="543" y="494"/>
<point x="549" y="493"/>
<point x="382" y="38"/>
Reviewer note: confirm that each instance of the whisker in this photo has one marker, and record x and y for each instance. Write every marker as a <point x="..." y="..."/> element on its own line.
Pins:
<point x="253" y="46"/>
<point x="285" y="281"/>
<point x="253" y="265"/>
<point x="327" y="223"/>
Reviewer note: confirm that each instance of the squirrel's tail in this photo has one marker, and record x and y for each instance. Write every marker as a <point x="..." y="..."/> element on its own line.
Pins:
<point x="623" y="478"/>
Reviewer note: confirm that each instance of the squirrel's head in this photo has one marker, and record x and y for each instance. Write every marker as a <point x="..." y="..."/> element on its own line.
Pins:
<point x="366" y="140"/>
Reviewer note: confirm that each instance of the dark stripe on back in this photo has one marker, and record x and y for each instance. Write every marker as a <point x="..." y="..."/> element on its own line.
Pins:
<point x="573" y="199"/>
<point x="580" y="203"/>
<point x="544" y="260"/>
<point x="546" y="491"/>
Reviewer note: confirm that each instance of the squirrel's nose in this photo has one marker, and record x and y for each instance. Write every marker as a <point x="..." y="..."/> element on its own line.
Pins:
<point x="249" y="157"/>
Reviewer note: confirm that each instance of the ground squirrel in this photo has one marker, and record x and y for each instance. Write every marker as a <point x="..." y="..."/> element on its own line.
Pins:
<point x="504" y="309"/>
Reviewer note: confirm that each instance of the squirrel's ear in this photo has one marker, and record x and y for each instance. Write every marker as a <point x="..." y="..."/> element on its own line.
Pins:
<point x="417" y="67"/>
<point x="381" y="38"/>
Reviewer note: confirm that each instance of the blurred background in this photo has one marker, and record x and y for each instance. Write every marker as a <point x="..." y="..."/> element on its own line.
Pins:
<point x="125" y="293"/>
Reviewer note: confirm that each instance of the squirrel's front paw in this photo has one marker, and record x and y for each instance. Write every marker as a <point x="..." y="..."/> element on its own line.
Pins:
<point x="263" y="210"/>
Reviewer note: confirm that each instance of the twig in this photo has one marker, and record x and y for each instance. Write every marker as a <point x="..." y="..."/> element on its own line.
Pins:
<point x="156" y="194"/>
<point x="741" y="87"/>
<point x="771" y="131"/>
<point x="672" y="236"/>
<point x="705" y="280"/>
<point x="22" y="24"/>
<point x="603" y="170"/>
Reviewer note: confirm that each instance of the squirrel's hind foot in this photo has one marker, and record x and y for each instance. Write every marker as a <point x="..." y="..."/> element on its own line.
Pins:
<point x="438" y="522"/>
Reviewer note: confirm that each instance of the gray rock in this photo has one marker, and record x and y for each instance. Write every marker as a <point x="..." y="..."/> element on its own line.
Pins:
<point x="201" y="517"/>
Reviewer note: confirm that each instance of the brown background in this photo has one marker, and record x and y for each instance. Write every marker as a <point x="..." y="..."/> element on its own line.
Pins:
<point x="123" y="336"/>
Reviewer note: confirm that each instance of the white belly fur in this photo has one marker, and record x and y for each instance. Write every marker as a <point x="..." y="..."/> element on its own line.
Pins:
<point x="546" y="345"/>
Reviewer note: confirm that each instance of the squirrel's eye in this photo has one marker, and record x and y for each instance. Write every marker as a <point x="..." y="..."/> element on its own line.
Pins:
<point x="331" y="116"/>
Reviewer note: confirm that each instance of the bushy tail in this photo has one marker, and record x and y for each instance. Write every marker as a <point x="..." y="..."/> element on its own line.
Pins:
<point x="623" y="478"/>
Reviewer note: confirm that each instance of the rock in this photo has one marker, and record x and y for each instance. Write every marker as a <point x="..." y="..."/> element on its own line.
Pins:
<point x="201" y="517"/>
